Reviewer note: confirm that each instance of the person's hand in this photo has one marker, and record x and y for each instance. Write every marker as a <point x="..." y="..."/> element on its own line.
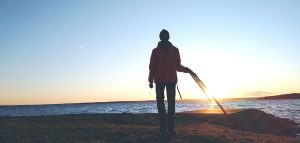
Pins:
<point x="151" y="84"/>
<point x="189" y="71"/>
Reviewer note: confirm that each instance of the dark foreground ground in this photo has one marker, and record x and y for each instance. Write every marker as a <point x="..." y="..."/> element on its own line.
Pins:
<point x="248" y="126"/>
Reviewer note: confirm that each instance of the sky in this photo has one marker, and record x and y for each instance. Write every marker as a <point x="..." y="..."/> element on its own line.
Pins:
<point x="71" y="51"/>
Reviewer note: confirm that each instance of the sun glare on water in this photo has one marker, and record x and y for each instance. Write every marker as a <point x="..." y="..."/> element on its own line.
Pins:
<point x="212" y="104"/>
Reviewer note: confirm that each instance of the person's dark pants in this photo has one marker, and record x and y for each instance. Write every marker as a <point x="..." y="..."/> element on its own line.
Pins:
<point x="166" y="120"/>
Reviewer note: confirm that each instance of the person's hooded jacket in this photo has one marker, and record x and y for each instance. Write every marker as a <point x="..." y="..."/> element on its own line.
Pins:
<point x="164" y="62"/>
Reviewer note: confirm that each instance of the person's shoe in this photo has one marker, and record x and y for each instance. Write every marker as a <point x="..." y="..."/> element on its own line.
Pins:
<point x="163" y="130"/>
<point x="172" y="133"/>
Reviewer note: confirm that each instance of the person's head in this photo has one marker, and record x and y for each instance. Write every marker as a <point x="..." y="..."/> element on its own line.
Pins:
<point x="164" y="35"/>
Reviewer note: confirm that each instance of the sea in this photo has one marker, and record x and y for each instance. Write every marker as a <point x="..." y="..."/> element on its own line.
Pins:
<point x="285" y="108"/>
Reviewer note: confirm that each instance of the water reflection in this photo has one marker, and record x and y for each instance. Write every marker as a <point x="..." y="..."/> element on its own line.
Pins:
<point x="282" y="108"/>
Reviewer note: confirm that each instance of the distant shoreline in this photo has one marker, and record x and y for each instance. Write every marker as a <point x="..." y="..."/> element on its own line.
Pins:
<point x="108" y="102"/>
<point x="282" y="96"/>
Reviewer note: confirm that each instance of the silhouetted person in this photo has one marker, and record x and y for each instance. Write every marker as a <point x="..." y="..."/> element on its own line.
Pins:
<point x="164" y="62"/>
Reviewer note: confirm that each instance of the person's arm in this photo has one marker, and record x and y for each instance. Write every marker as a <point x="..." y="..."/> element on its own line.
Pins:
<point x="180" y="67"/>
<point x="152" y="66"/>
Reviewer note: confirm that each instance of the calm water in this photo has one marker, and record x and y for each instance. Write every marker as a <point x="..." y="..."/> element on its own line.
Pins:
<point x="287" y="108"/>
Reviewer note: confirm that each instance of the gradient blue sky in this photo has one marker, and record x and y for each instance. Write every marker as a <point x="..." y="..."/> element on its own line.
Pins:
<point x="62" y="51"/>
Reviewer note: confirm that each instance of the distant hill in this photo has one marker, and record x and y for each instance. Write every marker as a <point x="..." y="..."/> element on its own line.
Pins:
<point x="283" y="96"/>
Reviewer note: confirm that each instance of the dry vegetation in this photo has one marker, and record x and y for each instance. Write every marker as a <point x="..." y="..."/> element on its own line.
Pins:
<point x="248" y="126"/>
